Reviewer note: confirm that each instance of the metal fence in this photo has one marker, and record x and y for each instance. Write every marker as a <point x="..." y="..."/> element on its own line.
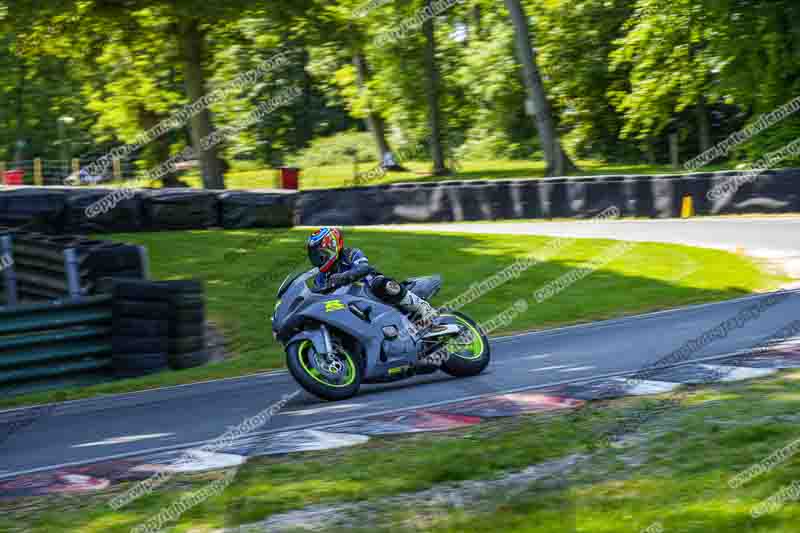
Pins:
<point x="38" y="342"/>
<point x="56" y="171"/>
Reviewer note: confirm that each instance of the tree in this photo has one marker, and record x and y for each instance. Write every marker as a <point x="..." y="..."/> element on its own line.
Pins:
<point x="573" y="44"/>
<point x="558" y="163"/>
<point x="375" y="122"/>
<point x="432" y="81"/>
<point x="338" y="24"/>
<point x="192" y="37"/>
<point x="670" y="64"/>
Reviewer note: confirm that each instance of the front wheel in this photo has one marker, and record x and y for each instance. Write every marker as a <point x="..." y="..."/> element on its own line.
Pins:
<point x="469" y="353"/>
<point x="335" y="377"/>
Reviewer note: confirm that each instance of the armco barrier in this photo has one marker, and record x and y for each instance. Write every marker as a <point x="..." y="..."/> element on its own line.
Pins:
<point x="42" y="342"/>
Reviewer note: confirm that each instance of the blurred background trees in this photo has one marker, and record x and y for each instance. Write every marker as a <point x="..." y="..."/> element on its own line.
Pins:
<point x="551" y="80"/>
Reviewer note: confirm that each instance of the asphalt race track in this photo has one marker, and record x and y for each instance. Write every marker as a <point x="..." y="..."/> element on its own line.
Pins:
<point x="179" y="417"/>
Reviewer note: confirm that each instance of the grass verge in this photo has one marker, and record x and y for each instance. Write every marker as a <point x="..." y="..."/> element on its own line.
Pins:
<point x="243" y="269"/>
<point x="675" y="477"/>
<point x="244" y="176"/>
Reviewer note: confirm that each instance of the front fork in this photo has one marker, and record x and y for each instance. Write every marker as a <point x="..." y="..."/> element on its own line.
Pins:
<point x="323" y="346"/>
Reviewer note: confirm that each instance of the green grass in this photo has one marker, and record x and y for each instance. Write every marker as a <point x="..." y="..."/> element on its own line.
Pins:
<point x="245" y="176"/>
<point x="686" y="461"/>
<point x="242" y="271"/>
<point x="683" y="482"/>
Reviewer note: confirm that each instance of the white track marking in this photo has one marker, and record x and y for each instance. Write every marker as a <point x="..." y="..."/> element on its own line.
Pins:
<point x="540" y="356"/>
<point x="123" y="440"/>
<point x="647" y="386"/>
<point x="739" y="373"/>
<point x="577" y="368"/>
<point x="542" y="369"/>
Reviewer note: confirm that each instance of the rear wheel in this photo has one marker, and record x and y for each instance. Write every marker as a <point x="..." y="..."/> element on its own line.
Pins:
<point x="469" y="353"/>
<point x="333" y="377"/>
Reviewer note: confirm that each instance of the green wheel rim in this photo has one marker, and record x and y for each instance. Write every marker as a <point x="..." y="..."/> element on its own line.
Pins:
<point x="472" y="349"/>
<point x="350" y="367"/>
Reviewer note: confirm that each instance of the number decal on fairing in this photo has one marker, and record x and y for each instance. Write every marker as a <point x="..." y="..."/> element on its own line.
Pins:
<point x="333" y="305"/>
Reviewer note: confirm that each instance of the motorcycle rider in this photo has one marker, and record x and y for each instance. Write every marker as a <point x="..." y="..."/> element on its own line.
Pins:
<point x="338" y="265"/>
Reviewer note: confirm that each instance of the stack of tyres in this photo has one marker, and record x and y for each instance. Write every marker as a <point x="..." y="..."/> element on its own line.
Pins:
<point x="187" y="318"/>
<point x="43" y="271"/>
<point x="139" y="328"/>
<point x="161" y="323"/>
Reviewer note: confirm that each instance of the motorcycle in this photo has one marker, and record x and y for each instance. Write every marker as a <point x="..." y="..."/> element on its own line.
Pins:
<point x="342" y="336"/>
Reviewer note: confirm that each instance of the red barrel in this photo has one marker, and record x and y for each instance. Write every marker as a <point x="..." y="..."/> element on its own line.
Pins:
<point x="13" y="177"/>
<point x="290" y="177"/>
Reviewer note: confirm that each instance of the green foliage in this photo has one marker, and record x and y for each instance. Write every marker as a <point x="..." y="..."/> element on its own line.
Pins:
<point x="770" y="140"/>
<point x="619" y="74"/>
<point x="670" y="64"/>
<point x="337" y="149"/>
<point x="575" y="41"/>
<point x="482" y="144"/>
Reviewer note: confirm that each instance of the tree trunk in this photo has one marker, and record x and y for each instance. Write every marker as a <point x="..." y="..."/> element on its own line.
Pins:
<point x="558" y="163"/>
<point x="375" y="122"/>
<point x="703" y="124"/>
<point x="476" y="21"/>
<point x="650" y="152"/>
<point x="674" y="150"/>
<point x="432" y="94"/>
<point x="19" y="145"/>
<point x="160" y="150"/>
<point x="193" y="48"/>
<point x="304" y="131"/>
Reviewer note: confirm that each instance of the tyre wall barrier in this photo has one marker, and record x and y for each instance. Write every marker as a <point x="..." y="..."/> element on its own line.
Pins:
<point x="47" y="267"/>
<point x="37" y="208"/>
<point x="126" y="215"/>
<point x="48" y="343"/>
<point x="157" y="324"/>
<point x="657" y="196"/>
<point x="56" y="210"/>
<point x="771" y="192"/>
<point x="171" y="209"/>
<point x="253" y="209"/>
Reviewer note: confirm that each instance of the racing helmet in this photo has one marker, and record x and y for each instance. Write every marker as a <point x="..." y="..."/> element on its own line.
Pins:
<point x="324" y="247"/>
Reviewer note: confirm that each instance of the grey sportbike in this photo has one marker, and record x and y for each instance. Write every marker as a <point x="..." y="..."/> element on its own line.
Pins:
<point x="340" y="336"/>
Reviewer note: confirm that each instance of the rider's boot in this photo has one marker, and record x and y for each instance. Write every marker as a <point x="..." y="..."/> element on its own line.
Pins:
<point x="421" y="312"/>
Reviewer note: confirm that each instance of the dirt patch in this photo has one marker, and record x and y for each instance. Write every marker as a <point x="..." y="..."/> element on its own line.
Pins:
<point x="216" y="343"/>
<point x="472" y="495"/>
